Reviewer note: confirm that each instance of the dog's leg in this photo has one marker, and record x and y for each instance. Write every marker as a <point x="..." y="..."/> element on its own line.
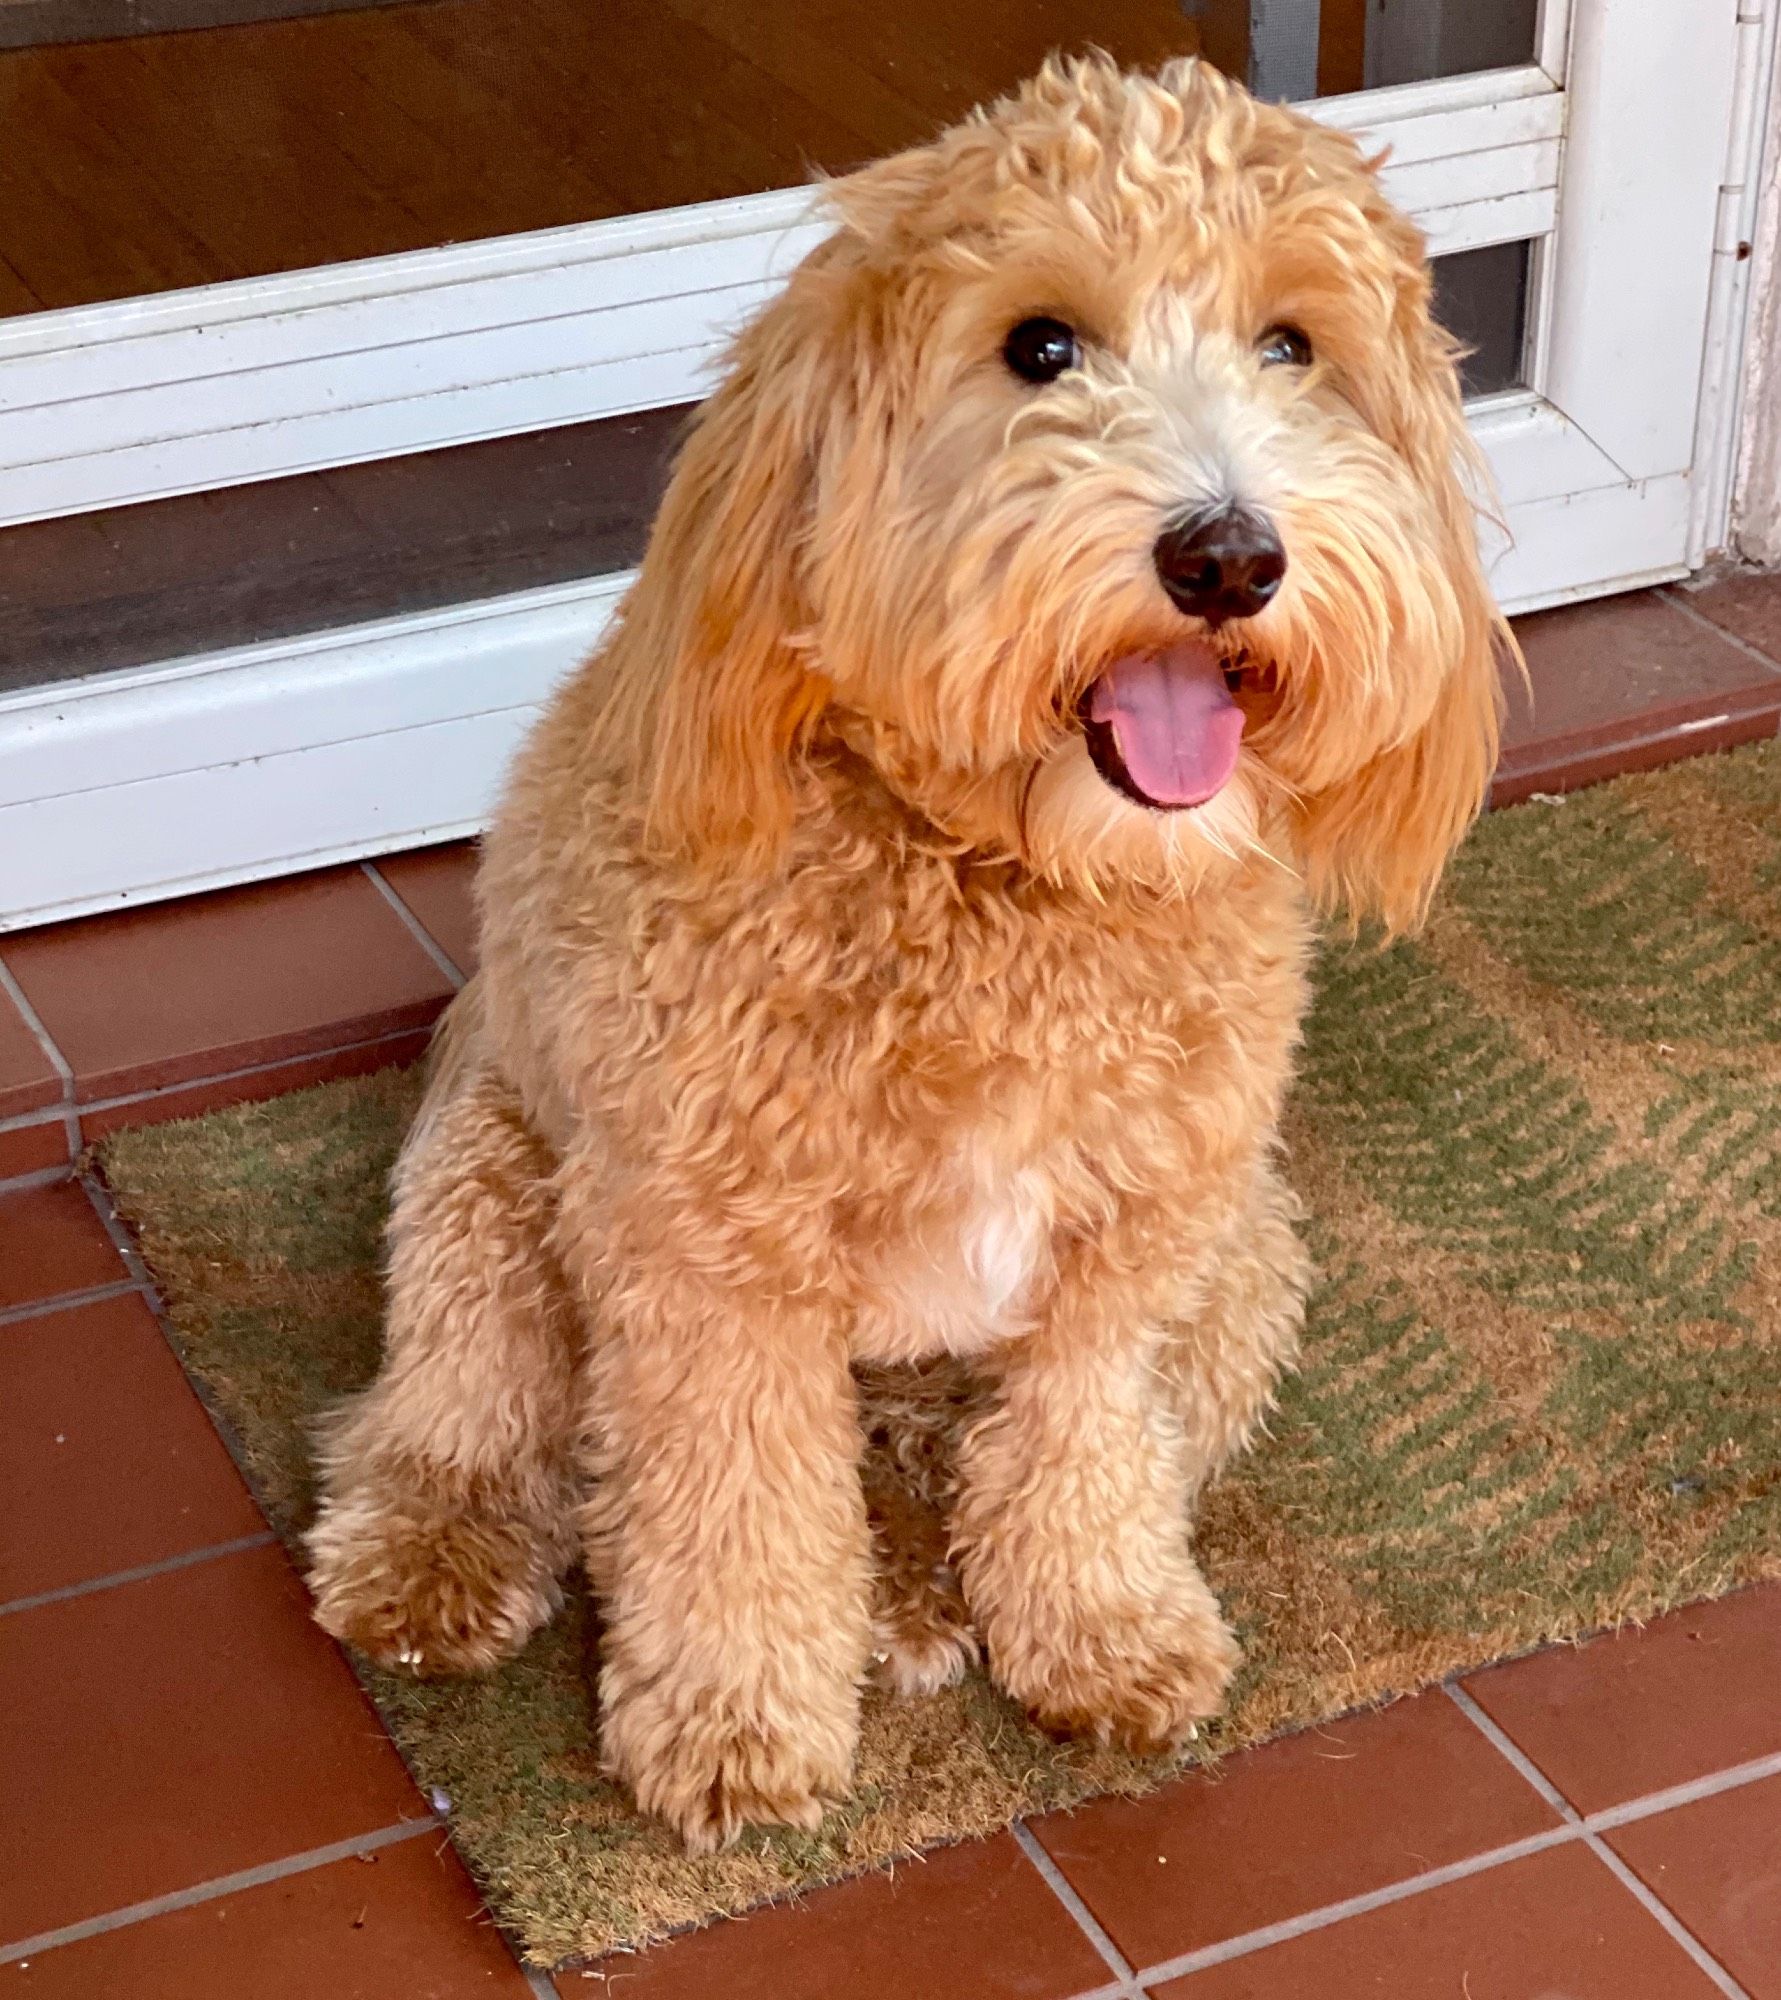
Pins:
<point x="921" y="1631"/>
<point x="1072" y="1535"/>
<point x="447" y="1514"/>
<point x="725" y="1530"/>
<point x="1224" y="1357"/>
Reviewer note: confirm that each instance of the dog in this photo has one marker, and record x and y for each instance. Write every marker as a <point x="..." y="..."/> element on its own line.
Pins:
<point x="845" y="1212"/>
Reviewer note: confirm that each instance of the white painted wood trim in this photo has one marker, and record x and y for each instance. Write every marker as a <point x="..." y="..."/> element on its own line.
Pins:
<point x="163" y="781"/>
<point x="207" y="309"/>
<point x="129" y="787"/>
<point x="1732" y="355"/>
<point x="72" y="738"/>
<point x="1552" y="39"/>
<point x="1399" y="107"/>
<point x="1650" y="97"/>
<point x="1507" y="218"/>
<point x="1536" y="452"/>
<point x="1751" y="523"/>
<point x="113" y="404"/>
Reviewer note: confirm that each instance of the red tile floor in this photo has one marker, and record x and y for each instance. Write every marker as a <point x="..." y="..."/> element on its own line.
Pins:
<point x="196" y="1799"/>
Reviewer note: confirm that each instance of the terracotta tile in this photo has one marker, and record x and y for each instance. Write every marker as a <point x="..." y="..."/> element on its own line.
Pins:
<point x="183" y="1727"/>
<point x="51" y="1242"/>
<point x="1717" y="1865"/>
<point x="32" y="1148"/>
<point x="28" y="1079"/>
<point x="1748" y="606"/>
<point x="435" y="884"/>
<point x="1624" y="684"/>
<point x="107" y="1459"/>
<point x="404" y="1923"/>
<point x="1312" y="1819"/>
<point x="1555" y="1926"/>
<point x="1595" y="665"/>
<point x="1645" y="1709"/>
<point x="193" y="1100"/>
<point x="960" y="1923"/>
<point x="190" y="989"/>
<point x="1750" y="717"/>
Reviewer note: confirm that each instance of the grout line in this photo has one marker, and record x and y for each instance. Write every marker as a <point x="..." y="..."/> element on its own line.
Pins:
<point x="34" y="1021"/>
<point x="52" y="1054"/>
<point x="1511" y="1751"/>
<point x="422" y="936"/>
<point x="1358" y="1906"/>
<point x="119" y="1231"/>
<point x="67" y="1301"/>
<point x="39" y="1114"/>
<point x="1125" y="1981"/>
<point x="198" y="1082"/>
<point x="140" y="1574"/>
<point x="99" y="1195"/>
<point x="39" y="1177"/>
<point x="1729" y="1780"/>
<point x="1770" y="667"/>
<point x="101" y="1198"/>
<point x="1634" y="1810"/>
<point x="218" y="1886"/>
<point x="1666" y="1917"/>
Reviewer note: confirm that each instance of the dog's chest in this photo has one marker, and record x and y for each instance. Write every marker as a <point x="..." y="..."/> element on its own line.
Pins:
<point x="973" y="1262"/>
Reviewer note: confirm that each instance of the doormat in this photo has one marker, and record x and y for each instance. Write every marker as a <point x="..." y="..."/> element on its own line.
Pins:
<point x="1541" y="1147"/>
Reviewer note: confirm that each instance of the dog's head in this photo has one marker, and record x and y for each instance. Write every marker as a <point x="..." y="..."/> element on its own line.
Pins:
<point x="1102" y="479"/>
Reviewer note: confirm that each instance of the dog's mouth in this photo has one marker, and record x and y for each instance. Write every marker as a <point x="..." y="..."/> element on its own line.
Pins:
<point x="1164" y="728"/>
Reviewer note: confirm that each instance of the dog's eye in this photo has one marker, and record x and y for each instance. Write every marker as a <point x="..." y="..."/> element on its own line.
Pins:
<point x="1039" y="350"/>
<point x="1284" y="347"/>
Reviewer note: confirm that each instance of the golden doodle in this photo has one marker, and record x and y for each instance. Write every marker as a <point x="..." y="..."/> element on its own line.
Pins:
<point x="845" y="1212"/>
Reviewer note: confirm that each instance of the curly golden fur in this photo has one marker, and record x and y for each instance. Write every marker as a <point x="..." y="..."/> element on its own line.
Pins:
<point x="845" y="1210"/>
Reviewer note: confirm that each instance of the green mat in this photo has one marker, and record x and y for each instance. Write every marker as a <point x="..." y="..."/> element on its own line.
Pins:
<point x="1542" y="1381"/>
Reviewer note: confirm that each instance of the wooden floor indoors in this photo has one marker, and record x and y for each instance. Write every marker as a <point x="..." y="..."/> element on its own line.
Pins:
<point x="152" y="162"/>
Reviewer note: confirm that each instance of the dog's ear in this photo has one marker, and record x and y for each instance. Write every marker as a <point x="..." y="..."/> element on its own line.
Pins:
<point x="714" y="693"/>
<point x="1375" y="843"/>
<point x="879" y="204"/>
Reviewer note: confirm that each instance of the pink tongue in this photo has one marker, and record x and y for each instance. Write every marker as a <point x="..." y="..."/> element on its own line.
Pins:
<point x="1177" y="728"/>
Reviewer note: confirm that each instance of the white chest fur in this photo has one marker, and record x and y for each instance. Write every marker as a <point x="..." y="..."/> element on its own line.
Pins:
<point x="967" y="1272"/>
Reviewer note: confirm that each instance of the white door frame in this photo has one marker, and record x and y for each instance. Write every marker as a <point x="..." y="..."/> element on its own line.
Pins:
<point x="1614" y="463"/>
<point x="1748" y="455"/>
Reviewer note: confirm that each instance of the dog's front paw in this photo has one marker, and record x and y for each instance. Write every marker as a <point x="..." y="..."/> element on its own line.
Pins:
<point x="912" y="1661"/>
<point x="1143" y="1681"/>
<point x="922" y="1639"/>
<point x="454" y="1594"/>
<point x="689" y="1758"/>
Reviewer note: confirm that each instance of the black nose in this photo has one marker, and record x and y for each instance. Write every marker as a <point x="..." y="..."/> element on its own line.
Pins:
<point x="1220" y="566"/>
